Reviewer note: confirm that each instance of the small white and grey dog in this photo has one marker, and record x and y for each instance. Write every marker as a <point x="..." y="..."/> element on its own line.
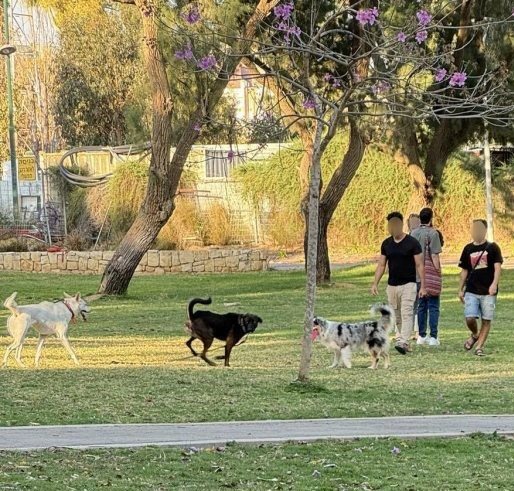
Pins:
<point x="343" y="338"/>
<point x="48" y="318"/>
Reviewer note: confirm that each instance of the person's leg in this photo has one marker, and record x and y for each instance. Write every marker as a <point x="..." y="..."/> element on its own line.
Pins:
<point x="471" y="313"/>
<point x="408" y="297"/>
<point x="487" y="307"/>
<point x="433" y="314"/>
<point x="422" y="316"/>
<point x="392" y="299"/>
<point x="416" y="304"/>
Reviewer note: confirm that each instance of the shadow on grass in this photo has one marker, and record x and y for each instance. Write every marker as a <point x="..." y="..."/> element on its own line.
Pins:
<point x="306" y="388"/>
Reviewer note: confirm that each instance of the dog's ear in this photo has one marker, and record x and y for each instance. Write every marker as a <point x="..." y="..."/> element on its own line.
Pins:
<point x="77" y="297"/>
<point x="259" y="320"/>
<point x="67" y="296"/>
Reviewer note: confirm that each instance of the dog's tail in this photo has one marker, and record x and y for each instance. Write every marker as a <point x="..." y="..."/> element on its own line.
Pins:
<point x="11" y="304"/>
<point x="387" y="313"/>
<point x="193" y="302"/>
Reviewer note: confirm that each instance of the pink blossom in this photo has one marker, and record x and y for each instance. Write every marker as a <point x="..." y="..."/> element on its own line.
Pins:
<point x="421" y="36"/>
<point x="230" y="155"/>
<point x="458" y="79"/>
<point x="401" y="37"/>
<point x="192" y="16"/>
<point x="284" y="10"/>
<point x="207" y="62"/>
<point x="328" y="77"/>
<point x="380" y="87"/>
<point x="294" y="31"/>
<point x="197" y="126"/>
<point x="309" y="103"/>
<point x="367" y="16"/>
<point x="424" y="18"/>
<point x="185" y="53"/>
<point x="440" y="74"/>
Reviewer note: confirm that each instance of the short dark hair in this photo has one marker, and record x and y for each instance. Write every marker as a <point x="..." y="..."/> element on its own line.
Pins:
<point x="426" y="215"/>
<point x="413" y="215"/>
<point x="395" y="214"/>
<point x="482" y="221"/>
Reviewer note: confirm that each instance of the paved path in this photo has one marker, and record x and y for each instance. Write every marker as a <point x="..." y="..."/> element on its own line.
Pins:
<point x="214" y="434"/>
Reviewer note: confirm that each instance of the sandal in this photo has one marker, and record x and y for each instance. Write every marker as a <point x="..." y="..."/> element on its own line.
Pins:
<point x="403" y="349"/>
<point x="470" y="342"/>
<point x="479" y="352"/>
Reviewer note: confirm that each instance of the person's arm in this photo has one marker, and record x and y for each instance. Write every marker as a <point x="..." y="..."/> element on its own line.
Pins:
<point x="420" y="267"/>
<point x="379" y="272"/>
<point x="493" y="289"/>
<point x="462" y="283"/>
<point x="436" y="249"/>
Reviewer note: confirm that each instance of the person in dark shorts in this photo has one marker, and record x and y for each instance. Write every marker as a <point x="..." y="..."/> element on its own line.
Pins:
<point x="404" y="256"/>
<point x="480" y="264"/>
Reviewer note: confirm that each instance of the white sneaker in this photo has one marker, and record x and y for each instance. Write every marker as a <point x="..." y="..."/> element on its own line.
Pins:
<point x="433" y="342"/>
<point x="421" y="340"/>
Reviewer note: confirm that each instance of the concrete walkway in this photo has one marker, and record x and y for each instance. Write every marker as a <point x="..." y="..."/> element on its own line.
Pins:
<point x="215" y="434"/>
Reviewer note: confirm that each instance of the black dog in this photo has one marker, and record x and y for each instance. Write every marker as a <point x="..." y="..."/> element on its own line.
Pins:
<point x="205" y="326"/>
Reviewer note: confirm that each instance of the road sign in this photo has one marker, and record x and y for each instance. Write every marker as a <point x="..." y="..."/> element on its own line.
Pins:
<point x="27" y="169"/>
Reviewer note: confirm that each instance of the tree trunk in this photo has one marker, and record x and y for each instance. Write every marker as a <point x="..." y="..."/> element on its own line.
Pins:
<point x="332" y="196"/>
<point x="447" y="137"/>
<point x="312" y="252"/>
<point x="158" y="202"/>
<point x="164" y="175"/>
<point x="323" y="260"/>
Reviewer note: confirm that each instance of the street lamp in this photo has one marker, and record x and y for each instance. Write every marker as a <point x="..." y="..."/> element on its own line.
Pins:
<point x="7" y="50"/>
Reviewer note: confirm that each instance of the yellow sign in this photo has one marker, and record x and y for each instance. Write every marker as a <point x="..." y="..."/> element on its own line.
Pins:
<point x="27" y="169"/>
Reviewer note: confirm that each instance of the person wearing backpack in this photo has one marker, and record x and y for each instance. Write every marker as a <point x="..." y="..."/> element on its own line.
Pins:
<point x="480" y="264"/>
<point x="428" y="306"/>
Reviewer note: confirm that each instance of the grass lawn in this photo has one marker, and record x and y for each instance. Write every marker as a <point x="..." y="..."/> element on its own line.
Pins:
<point x="133" y="367"/>
<point x="416" y="465"/>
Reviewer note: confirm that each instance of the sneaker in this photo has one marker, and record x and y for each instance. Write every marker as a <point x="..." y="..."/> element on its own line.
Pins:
<point x="421" y="340"/>
<point x="433" y="342"/>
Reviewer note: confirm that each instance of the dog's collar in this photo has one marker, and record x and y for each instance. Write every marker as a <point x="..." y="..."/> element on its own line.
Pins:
<point x="73" y="316"/>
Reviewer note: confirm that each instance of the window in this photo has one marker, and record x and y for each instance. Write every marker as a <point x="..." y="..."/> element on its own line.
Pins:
<point x="218" y="165"/>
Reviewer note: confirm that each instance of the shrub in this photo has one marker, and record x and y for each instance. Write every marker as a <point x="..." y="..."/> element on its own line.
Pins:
<point x="218" y="225"/>
<point x="380" y="185"/>
<point x="21" y="244"/>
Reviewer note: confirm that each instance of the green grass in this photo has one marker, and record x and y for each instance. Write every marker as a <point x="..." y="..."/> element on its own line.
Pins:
<point x="485" y="463"/>
<point x="133" y="367"/>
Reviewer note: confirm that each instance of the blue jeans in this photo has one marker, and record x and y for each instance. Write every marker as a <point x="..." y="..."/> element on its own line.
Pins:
<point x="428" y="307"/>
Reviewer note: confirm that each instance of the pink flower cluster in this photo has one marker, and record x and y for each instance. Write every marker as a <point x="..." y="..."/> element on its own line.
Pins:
<point x="457" y="79"/>
<point x="207" y="62"/>
<point x="424" y="18"/>
<point x="284" y="10"/>
<point x="185" y="53"/>
<point x="192" y="16"/>
<point x="334" y="82"/>
<point x="309" y="103"/>
<point x="367" y="16"/>
<point x="380" y="87"/>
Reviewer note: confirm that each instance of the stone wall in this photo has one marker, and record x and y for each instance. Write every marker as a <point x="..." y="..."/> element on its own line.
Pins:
<point x="153" y="262"/>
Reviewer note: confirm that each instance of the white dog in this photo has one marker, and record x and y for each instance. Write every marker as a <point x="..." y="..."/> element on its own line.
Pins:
<point x="48" y="318"/>
<point x="343" y="338"/>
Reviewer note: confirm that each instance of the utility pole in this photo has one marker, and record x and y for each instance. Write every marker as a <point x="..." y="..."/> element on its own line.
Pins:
<point x="7" y="50"/>
<point x="488" y="187"/>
